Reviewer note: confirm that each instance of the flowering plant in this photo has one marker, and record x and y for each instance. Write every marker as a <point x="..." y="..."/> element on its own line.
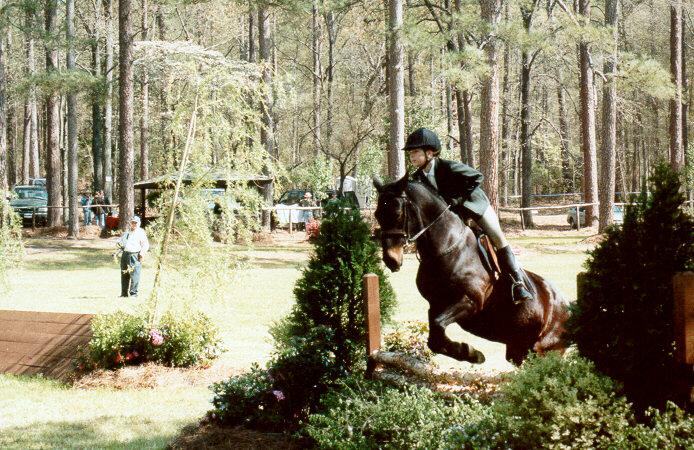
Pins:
<point x="312" y="228"/>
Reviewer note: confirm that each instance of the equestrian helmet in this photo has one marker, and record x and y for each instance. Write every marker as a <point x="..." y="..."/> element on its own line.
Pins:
<point x="423" y="138"/>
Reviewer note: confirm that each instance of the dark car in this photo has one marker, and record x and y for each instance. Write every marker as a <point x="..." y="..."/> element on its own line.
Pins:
<point x="292" y="197"/>
<point x="30" y="200"/>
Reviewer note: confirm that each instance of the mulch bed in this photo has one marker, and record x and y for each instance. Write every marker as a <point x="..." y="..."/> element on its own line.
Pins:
<point x="208" y="436"/>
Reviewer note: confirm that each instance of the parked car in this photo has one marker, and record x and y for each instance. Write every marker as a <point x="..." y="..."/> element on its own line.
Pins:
<point x="28" y="200"/>
<point x="292" y="196"/>
<point x="617" y="211"/>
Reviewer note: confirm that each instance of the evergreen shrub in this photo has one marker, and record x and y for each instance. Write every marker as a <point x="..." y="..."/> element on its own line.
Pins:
<point x="368" y="414"/>
<point x="329" y="292"/>
<point x="121" y="338"/>
<point x="321" y="341"/>
<point x="624" y="318"/>
<point x="551" y="402"/>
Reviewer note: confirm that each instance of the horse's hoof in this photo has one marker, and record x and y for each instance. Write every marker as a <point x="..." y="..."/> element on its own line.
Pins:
<point x="476" y="357"/>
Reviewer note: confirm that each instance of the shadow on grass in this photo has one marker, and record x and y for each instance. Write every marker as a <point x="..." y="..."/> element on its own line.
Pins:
<point x="79" y="434"/>
<point x="74" y="258"/>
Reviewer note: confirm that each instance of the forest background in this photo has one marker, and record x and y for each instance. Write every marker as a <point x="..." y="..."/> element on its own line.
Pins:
<point x="542" y="96"/>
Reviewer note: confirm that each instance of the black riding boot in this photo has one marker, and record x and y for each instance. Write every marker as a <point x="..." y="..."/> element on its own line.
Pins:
<point x="509" y="266"/>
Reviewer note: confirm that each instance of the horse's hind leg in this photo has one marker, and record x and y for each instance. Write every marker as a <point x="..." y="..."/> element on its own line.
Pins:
<point x="440" y="343"/>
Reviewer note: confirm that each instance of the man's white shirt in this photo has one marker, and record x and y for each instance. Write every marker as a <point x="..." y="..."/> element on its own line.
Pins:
<point x="134" y="241"/>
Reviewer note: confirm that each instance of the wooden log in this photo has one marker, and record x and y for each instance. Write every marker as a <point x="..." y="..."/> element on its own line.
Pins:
<point x="683" y="293"/>
<point x="414" y="366"/>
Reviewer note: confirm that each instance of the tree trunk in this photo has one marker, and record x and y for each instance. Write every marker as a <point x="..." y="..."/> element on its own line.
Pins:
<point x="467" y="125"/>
<point x="53" y="160"/>
<point x="676" y="148"/>
<point x="74" y="222"/>
<point x="30" y="162"/>
<point x="525" y="143"/>
<point x="97" y="118"/>
<point x="685" y="99"/>
<point x="609" y="124"/>
<point x="332" y="37"/>
<point x="144" y="90"/>
<point x="566" y="171"/>
<point x="588" y="144"/>
<point x="460" y="110"/>
<point x="317" y="70"/>
<point x="396" y="91"/>
<point x="108" y="106"/>
<point x="489" y="99"/>
<point x="4" y="167"/>
<point x="126" y="166"/>
<point x="267" y="137"/>
<point x="525" y="134"/>
<point x="505" y="150"/>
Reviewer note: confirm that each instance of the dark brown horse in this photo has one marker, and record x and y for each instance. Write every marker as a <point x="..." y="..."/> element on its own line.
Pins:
<point x="455" y="282"/>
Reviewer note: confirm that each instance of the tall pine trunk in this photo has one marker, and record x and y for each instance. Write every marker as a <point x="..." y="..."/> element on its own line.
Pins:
<point x="396" y="91"/>
<point x="316" y="79"/>
<point x="588" y="144"/>
<point x="97" y="116"/>
<point x="267" y="137"/>
<point x="53" y="158"/>
<point x="73" y="222"/>
<point x="676" y="148"/>
<point x="609" y="123"/>
<point x="108" y="106"/>
<point x="489" y="99"/>
<point x="144" y="119"/>
<point x="126" y="166"/>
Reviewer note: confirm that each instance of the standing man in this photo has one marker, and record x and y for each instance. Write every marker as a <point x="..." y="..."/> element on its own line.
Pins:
<point x="135" y="245"/>
<point x="459" y="185"/>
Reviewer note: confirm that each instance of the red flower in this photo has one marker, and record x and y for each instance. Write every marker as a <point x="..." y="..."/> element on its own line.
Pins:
<point x="118" y="359"/>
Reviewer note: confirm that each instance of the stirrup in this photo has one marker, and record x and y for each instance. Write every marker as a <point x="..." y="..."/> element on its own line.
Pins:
<point x="519" y="299"/>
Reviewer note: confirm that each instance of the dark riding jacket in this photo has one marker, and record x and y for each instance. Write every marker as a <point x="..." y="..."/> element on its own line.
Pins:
<point x="459" y="185"/>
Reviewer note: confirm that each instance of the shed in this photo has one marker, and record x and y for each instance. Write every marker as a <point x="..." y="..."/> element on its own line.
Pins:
<point x="219" y="178"/>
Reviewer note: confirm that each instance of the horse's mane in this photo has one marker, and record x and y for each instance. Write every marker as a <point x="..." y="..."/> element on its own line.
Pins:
<point x="425" y="189"/>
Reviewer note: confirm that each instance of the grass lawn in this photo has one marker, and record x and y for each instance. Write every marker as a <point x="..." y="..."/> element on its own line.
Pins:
<point x="80" y="276"/>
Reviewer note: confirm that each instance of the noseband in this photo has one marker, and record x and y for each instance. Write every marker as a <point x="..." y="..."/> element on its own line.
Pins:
<point x="406" y="232"/>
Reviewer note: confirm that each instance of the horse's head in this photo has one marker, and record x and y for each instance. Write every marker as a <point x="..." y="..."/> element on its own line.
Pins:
<point x="392" y="218"/>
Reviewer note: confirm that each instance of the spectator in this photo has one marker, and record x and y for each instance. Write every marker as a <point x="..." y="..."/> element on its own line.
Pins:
<point x="98" y="210"/>
<point x="135" y="245"/>
<point x="307" y="202"/>
<point x="86" y="203"/>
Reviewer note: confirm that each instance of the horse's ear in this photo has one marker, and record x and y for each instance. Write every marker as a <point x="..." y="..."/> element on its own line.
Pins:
<point x="401" y="184"/>
<point x="378" y="184"/>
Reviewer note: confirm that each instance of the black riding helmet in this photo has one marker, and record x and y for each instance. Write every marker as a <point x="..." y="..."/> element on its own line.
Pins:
<point x="423" y="138"/>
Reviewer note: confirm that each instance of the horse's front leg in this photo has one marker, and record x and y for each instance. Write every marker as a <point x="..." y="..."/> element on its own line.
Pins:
<point x="440" y="343"/>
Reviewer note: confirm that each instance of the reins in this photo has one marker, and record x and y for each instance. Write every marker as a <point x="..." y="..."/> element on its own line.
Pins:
<point x="406" y="232"/>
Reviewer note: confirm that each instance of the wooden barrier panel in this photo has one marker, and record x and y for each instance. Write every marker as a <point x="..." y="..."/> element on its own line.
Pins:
<point x="33" y="342"/>
<point x="683" y="290"/>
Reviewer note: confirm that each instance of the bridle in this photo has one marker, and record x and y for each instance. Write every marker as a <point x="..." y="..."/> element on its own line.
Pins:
<point x="405" y="234"/>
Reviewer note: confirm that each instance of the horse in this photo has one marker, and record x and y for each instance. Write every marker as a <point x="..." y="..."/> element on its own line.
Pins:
<point x="459" y="287"/>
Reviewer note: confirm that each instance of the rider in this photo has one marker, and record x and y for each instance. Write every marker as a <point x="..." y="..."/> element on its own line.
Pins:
<point x="459" y="185"/>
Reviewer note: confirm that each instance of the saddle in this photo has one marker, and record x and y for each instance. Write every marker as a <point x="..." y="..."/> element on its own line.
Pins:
<point x="488" y="255"/>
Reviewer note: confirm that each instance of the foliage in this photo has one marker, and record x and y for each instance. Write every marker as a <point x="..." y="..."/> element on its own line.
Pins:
<point x="410" y="338"/>
<point x="672" y="428"/>
<point x="364" y="414"/>
<point x="284" y="394"/>
<point x="329" y="293"/>
<point x="181" y="340"/>
<point x="195" y="268"/>
<point x="624" y="318"/>
<point x="11" y="248"/>
<point x="551" y="402"/>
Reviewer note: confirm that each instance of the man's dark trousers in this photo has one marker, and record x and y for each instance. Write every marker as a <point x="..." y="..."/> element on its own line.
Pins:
<point x="129" y="279"/>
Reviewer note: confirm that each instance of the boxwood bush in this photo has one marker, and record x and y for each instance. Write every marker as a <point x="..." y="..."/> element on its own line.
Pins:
<point x="368" y="414"/>
<point x="121" y="338"/>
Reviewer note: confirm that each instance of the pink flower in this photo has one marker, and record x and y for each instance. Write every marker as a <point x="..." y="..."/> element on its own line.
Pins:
<point x="156" y="338"/>
<point x="279" y="395"/>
